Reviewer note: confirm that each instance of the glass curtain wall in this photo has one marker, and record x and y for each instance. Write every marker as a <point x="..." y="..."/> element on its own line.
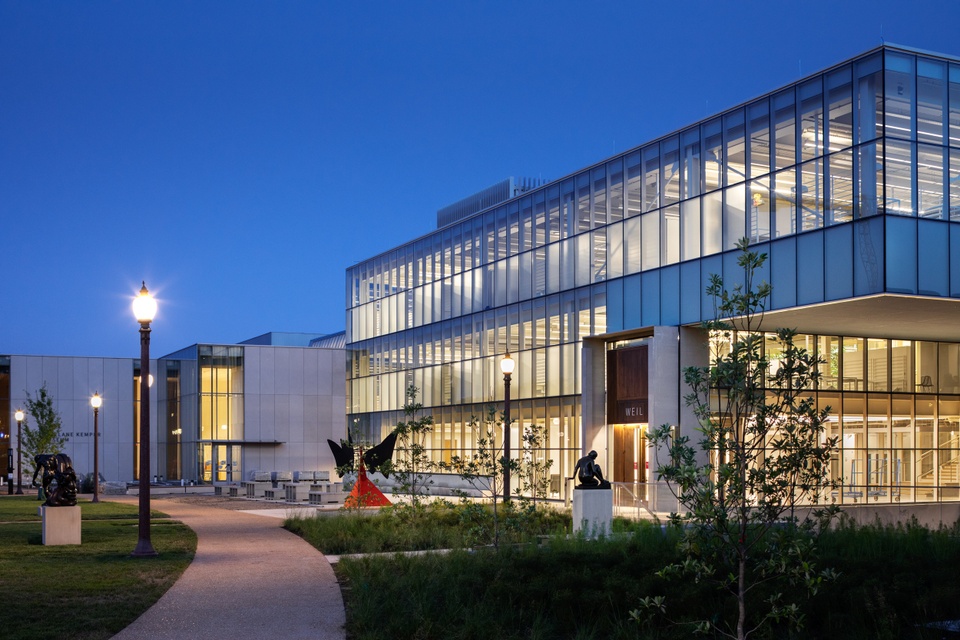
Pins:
<point x="899" y="435"/>
<point x="221" y="413"/>
<point x="621" y="245"/>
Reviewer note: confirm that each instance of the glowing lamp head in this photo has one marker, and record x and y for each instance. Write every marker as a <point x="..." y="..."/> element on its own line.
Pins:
<point x="96" y="401"/>
<point x="144" y="306"/>
<point x="507" y="365"/>
<point x="19" y="415"/>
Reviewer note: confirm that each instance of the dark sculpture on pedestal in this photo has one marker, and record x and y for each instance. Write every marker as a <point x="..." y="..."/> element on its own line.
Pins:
<point x="56" y="468"/>
<point x="589" y="473"/>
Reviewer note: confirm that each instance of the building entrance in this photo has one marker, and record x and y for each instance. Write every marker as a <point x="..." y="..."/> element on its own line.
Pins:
<point x="222" y="463"/>
<point x="629" y="453"/>
<point x="627" y="409"/>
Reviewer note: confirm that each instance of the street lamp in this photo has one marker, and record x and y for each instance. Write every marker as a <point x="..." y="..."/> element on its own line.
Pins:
<point x="144" y="308"/>
<point x="506" y="367"/>
<point x="95" y="402"/>
<point x="19" y="416"/>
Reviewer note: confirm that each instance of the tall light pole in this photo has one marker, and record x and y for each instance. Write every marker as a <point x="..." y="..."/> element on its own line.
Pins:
<point x="95" y="402"/>
<point x="144" y="308"/>
<point x="506" y="367"/>
<point x="19" y="416"/>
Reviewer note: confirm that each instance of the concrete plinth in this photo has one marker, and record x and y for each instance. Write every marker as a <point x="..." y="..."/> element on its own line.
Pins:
<point x="593" y="512"/>
<point x="61" y="525"/>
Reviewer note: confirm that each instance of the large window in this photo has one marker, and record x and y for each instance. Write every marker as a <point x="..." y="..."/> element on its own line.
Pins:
<point x="894" y="406"/>
<point x="221" y="407"/>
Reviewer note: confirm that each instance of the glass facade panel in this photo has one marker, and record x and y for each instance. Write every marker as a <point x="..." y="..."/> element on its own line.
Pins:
<point x="953" y="97"/>
<point x="758" y="119"/>
<point x="690" y="159"/>
<point x="615" y="208"/>
<point x="650" y="241"/>
<point x="869" y="180"/>
<point x="949" y="368"/>
<point x="899" y="96"/>
<point x="670" y="233"/>
<point x="931" y="100"/>
<point x="735" y="156"/>
<point x="933" y="277"/>
<point x="651" y="178"/>
<point x="690" y="229"/>
<point x="784" y="129"/>
<point x="828" y="351"/>
<point x="930" y="181"/>
<point x="840" y="172"/>
<point x="634" y="186"/>
<point x="758" y="218"/>
<point x="878" y="367"/>
<point x="712" y="218"/>
<point x="712" y="133"/>
<point x="811" y="195"/>
<point x="901" y="255"/>
<point x="784" y="203"/>
<point x="734" y="215"/>
<point x="953" y="179"/>
<point x="670" y="171"/>
<point x="899" y="198"/>
<point x="812" y="135"/>
<point x="869" y="101"/>
<point x="839" y="104"/>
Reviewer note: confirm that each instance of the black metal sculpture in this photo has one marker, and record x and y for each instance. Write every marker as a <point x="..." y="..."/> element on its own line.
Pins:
<point x="372" y="457"/>
<point x="589" y="473"/>
<point x="56" y="468"/>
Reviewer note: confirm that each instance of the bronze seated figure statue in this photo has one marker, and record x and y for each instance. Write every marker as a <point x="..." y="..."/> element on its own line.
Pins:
<point x="589" y="474"/>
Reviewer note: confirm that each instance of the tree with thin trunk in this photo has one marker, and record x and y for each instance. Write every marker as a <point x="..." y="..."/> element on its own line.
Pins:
<point x="45" y="437"/>
<point x="412" y="465"/>
<point x="755" y="490"/>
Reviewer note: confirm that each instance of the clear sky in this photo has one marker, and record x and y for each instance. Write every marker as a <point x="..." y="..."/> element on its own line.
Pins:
<point x="239" y="156"/>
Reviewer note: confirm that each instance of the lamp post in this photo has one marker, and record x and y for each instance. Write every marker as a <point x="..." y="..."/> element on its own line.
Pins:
<point x="144" y="308"/>
<point x="506" y="367"/>
<point x="19" y="416"/>
<point x="95" y="402"/>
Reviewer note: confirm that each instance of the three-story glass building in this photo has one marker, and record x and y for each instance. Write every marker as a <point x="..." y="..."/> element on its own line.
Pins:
<point x="849" y="180"/>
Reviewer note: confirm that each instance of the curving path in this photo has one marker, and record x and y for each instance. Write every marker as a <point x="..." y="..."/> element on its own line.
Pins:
<point x="250" y="579"/>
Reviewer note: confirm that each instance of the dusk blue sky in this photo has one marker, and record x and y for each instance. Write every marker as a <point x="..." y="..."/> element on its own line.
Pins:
<point x="239" y="156"/>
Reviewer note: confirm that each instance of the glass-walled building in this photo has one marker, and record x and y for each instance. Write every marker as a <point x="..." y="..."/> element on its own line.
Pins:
<point x="848" y="179"/>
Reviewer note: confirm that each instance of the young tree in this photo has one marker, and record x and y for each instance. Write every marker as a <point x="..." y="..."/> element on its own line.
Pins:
<point x="412" y="465"/>
<point x="483" y="470"/>
<point x="763" y="451"/>
<point x="46" y="436"/>
<point x="532" y="472"/>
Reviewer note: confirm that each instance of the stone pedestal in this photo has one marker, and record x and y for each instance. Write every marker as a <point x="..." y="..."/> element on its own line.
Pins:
<point x="61" y="525"/>
<point x="593" y="512"/>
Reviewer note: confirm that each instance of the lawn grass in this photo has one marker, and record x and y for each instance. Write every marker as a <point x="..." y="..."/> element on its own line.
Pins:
<point x="88" y="591"/>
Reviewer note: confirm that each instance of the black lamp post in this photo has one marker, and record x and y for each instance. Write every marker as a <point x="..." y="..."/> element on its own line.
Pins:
<point x="144" y="308"/>
<point x="95" y="402"/>
<point x="19" y="416"/>
<point x="506" y="367"/>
